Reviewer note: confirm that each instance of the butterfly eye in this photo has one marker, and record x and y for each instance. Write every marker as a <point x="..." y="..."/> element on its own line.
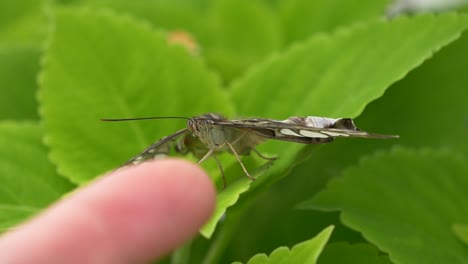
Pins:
<point x="193" y="126"/>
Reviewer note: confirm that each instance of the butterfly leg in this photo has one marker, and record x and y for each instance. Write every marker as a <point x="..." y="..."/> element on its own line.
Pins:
<point x="240" y="161"/>
<point x="221" y="170"/>
<point x="262" y="156"/>
<point x="207" y="155"/>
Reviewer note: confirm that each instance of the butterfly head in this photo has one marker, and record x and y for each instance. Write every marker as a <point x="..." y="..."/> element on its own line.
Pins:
<point x="204" y="127"/>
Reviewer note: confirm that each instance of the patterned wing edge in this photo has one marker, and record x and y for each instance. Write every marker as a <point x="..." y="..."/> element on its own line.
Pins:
<point x="157" y="148"/>
<point x="306" y="130"/>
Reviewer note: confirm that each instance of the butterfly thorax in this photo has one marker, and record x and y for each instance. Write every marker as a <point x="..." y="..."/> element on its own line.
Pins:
<point x="204" y="128"/>
<point x="214" y="136"/>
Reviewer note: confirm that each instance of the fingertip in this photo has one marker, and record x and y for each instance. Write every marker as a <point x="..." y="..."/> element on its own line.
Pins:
<point x="185" y="185"/>
<point x="135" y="214"/>
<point x="177" y="198"/>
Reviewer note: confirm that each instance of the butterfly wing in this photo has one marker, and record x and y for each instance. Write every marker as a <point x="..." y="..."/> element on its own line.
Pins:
<point x="306" y="130"/>
<point x="160" y="147"/>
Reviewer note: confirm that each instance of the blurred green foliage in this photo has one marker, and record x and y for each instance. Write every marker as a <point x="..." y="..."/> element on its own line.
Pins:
<point x="65" y="64"/>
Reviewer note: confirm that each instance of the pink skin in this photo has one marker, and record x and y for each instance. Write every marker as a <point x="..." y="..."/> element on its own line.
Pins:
<point x="134" y="215"/>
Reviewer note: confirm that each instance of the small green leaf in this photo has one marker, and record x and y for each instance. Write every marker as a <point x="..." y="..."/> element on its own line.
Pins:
<point x="225" y="199"/>
<point x="305" y="252"/>
<point x="100" y="65"/>
<point x="352" y="253"/>
<point x="237" y="183"/>
<point x="461" y="231"/>
<point x="405" y="202"/>
<point x="29" y="180"/>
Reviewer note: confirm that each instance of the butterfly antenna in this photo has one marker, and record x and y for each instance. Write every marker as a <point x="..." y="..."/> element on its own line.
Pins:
<point x="142" y="118"/>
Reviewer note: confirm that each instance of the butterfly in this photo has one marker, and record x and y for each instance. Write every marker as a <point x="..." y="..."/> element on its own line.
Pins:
<point x="209" y="134"/>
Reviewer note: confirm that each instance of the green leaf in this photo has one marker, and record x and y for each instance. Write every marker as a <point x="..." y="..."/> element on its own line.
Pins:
<point x="461" y="231"/>
<point x="352" y="253"/>
<point x="239" y="33"/>
<point x="305" y="252"/>
<point x="432" y="95"/>
<point x="405" y="202"/>
<point x="18" y="70"/>
<point x="237" y="183"/>
<point x="303" y="18"/>
<point x="23" y="22"/>
<point x="329" y="75"/>
<point x="170" y="15"/>
<point x="29" y="180"/>
<point x="430" y="98"/>
<point x="23" y="25"/>
<point x="261" y="97"/>
<point x="338" y="75"/>
<point x="225" y="199"/>
<point x="122" y="68"/>
<point x="232" y="34"/>
<point x="100" y="65"/>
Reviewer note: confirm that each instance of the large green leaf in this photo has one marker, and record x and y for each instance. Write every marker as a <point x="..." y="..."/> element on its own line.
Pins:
<point x="302" y="18"/>
<point x="238" y="34"/>
<point x="338" y="75"/>
<point x="103" y="65"/>
<point x="232" y="34"/>
<point x="405" y="202"/>
<point x="122" y="69"/>
<point x="29" y="181"/>
<point x="291" y="92"/>
<point x="432" y="97"/>
<point x="305" y="252"/>
<point x="170" y="15"/>
<point x="23" y="22"/>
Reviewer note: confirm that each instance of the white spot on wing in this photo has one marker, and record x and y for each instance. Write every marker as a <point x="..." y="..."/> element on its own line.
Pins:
<point x="312" y="134"/>
<point x="137" y="161"/>
<point x="289" y="132"/>
<point x="336" y="134"/>
<point x="160" y="156"/>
